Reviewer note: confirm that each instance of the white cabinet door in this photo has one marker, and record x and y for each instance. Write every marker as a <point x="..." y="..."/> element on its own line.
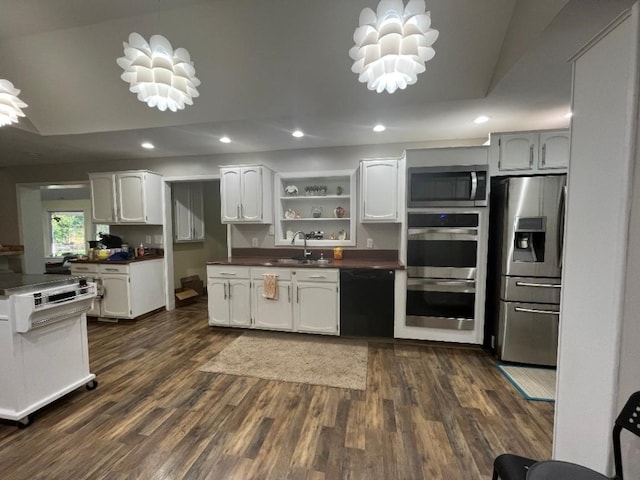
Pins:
<point x="518" y="151"/>
<point x="218" y="301"/>
<point x="116" y="301"/>
<point x="103" y="199"/>
<point x="316" y="307"/>
<point x="182" y="218"/>
<point x="239" y="295"/>
<point x="379" y="187"/>
<point x="130" y="187"/>
<point x="554" y="150"/>
<point x="197" y="211"/>
<point x="188" y="212"/>
<point x="251" y="187"/>
<point x="273" y="314"/>
<point x="231" y="194"/>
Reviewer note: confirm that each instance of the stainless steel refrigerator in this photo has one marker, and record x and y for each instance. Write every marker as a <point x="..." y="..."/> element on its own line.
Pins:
<point x="526" y="235"/>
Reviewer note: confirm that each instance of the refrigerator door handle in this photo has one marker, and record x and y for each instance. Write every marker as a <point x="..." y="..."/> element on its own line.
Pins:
<point x="535" y="310"/>
<point x="562" y="212"/>
<point x="474" y="185"/>
<point x="542" y="285"/>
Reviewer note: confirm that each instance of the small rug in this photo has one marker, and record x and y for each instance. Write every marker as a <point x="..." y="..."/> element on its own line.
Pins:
<point x="534" y="383"/>
<point x="295" y="357"/>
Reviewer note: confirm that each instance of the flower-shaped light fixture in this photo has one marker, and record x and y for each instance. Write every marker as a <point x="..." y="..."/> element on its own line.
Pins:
<point x="10" y="105"/>
<point x="160" y="76"/>
<point x="392" y="44"/>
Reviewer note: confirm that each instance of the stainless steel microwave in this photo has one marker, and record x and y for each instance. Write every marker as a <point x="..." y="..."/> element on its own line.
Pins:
<point x="455" y="186"/>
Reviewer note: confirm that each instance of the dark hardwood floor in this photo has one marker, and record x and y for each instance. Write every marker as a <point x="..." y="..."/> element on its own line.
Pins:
<point x="429" y="412"/>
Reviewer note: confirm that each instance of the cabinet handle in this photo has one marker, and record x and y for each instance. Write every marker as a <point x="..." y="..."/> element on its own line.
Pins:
<point x="238" y="211"/>
<point x="289" y="292"/>
<point x="317" y="276"/>
<point x="110" y="269"/>
<point x="544" y="154"/>
<point x="229" y="290"/>
<point x="297" y="294"/>
<point x="531" y="156"/>
<point x="224" y="287"/>
<point x="228" y="273"/>
<point x="241" y="210"/>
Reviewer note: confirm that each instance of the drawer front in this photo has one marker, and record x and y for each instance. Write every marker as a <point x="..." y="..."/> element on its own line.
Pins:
<point x="258" y="272"/>
<point x="84" y="268"/>
<point x="122" y="269"/>
<point x="228" y="271"/>
<point x="528" y="289"/>
<point x="317" y="274"/>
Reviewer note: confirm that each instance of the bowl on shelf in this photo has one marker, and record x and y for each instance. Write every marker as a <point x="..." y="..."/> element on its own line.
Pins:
<point x="316" y="212"/>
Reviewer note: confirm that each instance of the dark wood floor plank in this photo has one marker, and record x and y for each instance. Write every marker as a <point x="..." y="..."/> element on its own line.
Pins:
<point x="429" y="411"/>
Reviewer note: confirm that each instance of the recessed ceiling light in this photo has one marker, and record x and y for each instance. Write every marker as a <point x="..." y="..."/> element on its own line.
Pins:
<point x="568" y="115"/>
<point x="147" y="145"/>
<point x="298" y="133"/>
<point x="379" y="128"/>
<point x="225" y="139"/>
<point x="481" y="119"/>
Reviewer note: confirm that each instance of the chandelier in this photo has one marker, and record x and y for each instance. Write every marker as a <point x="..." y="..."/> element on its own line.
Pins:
<point x="10" y="105"/>
<point x="392" y="45"/>
<point x="160" y="76"/>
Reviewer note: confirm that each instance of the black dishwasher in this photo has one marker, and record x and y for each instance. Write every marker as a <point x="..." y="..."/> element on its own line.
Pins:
<point x="367" y="302"/>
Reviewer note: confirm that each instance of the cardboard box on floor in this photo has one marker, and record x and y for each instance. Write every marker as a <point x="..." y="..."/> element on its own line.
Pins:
<point x="191" y="288"/>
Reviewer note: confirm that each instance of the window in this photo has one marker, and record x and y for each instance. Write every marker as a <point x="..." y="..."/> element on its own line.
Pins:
<point x="67" y="233"/>
<point x="100" y="228"/>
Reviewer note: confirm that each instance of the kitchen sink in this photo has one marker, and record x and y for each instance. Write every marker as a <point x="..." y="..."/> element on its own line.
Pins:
<point x="299" y="261"/>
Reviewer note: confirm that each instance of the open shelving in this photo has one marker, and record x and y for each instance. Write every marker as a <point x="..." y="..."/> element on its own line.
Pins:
<point x="337" y="231"/>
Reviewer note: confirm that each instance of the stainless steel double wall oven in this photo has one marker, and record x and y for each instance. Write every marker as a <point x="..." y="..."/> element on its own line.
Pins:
<point x="442" y="260"/>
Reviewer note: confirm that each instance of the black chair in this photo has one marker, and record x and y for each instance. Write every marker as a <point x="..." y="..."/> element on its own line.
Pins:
<point x="514" y="467"/>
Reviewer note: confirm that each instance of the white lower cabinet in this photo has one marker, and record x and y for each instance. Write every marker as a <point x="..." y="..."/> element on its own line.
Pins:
<point x="128" y="290"/>
<point x="317" y="293"/>
<point x="268" y="313"/>
<point x="308" y="299"/>
<point x="229" y="290"/>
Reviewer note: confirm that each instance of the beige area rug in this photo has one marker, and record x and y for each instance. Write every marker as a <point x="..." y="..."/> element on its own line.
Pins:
<point x="533" y="383"/>
<point x="295" y="357"/>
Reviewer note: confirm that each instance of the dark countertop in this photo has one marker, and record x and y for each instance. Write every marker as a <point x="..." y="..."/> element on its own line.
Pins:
<point x="120" y="262"/>
<point x="378" y="259"/>
<point x="12" y="283"/>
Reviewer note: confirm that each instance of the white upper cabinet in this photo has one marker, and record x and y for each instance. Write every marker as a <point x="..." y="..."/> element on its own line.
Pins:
<point x="188" y="212"/>
<point x="379" y="190"/>
<point x="103" y="197"/>
<point x="554" y="149"/>
<point x="133" y="197"/>
<point x="246" y="194"/>
<point x="529" y="152"/>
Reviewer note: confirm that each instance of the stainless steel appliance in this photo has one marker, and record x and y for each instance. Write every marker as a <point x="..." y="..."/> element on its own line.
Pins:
<point x="463" y="186"/>
<point x="442" y="258"/>
<point x="526" y="233"/>
<point x="43" y="341"/>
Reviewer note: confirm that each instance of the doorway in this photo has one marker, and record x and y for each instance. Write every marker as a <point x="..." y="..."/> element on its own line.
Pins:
<point x="185" y="255"/>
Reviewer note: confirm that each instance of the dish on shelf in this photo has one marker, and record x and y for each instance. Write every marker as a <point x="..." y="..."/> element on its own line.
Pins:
<point x="289" y="214"/>
<point x="291" y="190"/>
<point x="342" y="235"/>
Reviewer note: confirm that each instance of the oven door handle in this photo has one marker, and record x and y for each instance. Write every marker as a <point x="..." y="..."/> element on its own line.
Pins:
<point x="444" y="234"/>
<point x="441" y="285"/>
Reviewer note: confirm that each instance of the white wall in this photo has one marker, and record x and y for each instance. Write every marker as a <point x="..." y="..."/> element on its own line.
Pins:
<point x="596" y="253"/>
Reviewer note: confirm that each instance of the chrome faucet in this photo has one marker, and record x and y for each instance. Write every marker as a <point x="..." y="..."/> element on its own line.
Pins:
<point x="306" y="252"/>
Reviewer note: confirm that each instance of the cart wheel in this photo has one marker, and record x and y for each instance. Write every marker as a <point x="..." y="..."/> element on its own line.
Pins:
<point x="24" y="422"/>
<point x="92" y="385"/>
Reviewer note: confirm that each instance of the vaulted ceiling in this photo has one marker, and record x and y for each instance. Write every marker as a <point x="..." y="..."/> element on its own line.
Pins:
<point x="268" y="67"/>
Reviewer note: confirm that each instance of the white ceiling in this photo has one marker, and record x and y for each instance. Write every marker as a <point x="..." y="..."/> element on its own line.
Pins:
<point x="268" y="67"/>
